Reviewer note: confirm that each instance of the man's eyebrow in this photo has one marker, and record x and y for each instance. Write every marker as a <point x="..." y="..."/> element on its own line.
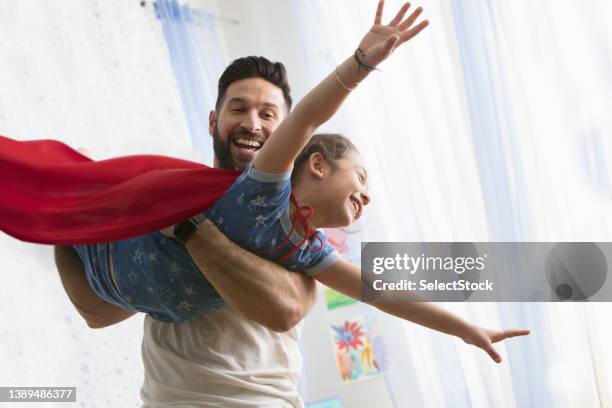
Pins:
<point x="237" y="99"/>
<point x="270" y="105"/>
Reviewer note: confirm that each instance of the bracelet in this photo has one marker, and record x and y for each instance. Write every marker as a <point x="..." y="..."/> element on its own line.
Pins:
<point x="362" y="65"/>
<point x="343" y="84"/>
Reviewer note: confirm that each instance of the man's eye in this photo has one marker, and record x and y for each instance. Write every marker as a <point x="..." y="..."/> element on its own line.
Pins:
<point x="237" y="110"/>
<point x="267" y="115"/>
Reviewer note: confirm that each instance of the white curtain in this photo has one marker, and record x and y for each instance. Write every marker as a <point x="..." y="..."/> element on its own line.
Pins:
<point x="488" y="126"/>
<point x="197" y="62"/>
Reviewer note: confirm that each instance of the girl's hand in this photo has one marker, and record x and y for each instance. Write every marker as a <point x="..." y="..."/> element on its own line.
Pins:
<point x="484" y="338"/>
<point x="382" y="40"/>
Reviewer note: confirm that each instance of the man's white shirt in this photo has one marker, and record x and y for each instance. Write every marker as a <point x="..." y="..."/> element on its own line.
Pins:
<point x="220" y="359"/>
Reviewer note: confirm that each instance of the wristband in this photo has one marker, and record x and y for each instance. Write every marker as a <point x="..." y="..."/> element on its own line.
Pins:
<point x="184" y="230"/>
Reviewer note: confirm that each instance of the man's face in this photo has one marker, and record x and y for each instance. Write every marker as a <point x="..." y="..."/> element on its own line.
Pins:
<point x="250" y="111"/>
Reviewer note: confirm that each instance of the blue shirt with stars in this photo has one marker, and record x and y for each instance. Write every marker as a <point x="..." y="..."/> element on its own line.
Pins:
<point x="155" y="274"/>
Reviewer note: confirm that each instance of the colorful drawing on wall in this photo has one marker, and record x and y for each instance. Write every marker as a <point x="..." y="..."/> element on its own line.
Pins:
<point x="335" y="299"/>
<point x="358" y="354"/>
<point x="379" y="347"/>
<point x="328" y="403"/>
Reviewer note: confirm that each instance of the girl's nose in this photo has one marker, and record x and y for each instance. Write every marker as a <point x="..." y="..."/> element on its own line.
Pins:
<point x="365" y="198"/>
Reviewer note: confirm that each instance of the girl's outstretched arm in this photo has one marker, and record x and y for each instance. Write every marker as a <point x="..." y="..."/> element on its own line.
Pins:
<point x="319" y="105"/>
<point x="346" y="278"/>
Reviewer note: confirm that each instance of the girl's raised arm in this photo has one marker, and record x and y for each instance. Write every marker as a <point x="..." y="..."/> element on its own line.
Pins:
<point x="319" y="105"/>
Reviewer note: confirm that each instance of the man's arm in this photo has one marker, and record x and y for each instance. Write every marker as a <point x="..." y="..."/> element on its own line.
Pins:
<point x="262" y="290"/>
<point x="95" y="310"/>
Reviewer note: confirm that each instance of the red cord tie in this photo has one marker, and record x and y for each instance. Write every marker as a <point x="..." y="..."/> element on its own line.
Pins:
<point x="301" y="215"/>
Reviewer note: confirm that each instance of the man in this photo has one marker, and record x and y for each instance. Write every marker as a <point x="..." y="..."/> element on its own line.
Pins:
<point x="247" y="353"/>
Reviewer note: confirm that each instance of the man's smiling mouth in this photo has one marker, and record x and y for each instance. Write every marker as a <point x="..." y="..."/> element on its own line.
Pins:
<point x="248" y="144"/>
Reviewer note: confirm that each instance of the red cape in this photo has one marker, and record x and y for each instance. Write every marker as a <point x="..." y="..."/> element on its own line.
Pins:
<point x="51" y="194"/>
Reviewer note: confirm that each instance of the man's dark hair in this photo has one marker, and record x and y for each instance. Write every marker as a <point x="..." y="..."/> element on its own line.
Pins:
<point x="254" y="67"/>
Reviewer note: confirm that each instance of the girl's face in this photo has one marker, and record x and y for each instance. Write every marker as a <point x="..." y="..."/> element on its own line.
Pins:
<point x="344" y="191"/>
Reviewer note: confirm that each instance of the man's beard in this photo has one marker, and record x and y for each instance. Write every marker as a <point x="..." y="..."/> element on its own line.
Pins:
<point x="222" y="151"/>
<point x="222" y="148"/>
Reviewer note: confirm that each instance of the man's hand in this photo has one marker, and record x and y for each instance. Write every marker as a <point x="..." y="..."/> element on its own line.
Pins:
<point x="380" y="42"/>
<point x="168" y="231"/>
<point x="484" y="338"/>
<point x="262" y="290"/>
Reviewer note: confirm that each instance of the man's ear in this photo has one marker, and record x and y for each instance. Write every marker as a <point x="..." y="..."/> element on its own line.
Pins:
<point x="212" y="122"/>
<point x="317" y="165"/>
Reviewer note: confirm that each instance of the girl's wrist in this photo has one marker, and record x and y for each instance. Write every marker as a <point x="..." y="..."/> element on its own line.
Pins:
<point x="350" y="74"/>
<point x="465" y="330"/>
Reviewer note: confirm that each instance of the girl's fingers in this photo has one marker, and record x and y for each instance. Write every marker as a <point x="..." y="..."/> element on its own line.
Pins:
<point x="406" y="35"/>
<point x="400" y="15"/>
<point x="506" y="334"/>
<point x="493" y="354"/>
<point x="410" y="20"/>
<point x="379" y="12"/>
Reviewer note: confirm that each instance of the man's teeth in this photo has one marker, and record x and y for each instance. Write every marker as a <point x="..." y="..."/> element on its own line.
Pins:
<point x="249" y="143"/>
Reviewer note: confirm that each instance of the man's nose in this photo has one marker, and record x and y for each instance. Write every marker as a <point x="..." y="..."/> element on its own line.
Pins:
<point x="251" y="122"/>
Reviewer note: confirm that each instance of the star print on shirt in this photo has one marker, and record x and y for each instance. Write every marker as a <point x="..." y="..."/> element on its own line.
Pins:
<point x="240" y="199"/>
<point x="260" y="220"/>
<point x="190" y="292"/>
<point x="259" y="200"/>
<point x="138" y="255"/>
<point x="185" y="305"/>
<point x="165" y="292"/>
<point x="133" y="277"/>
